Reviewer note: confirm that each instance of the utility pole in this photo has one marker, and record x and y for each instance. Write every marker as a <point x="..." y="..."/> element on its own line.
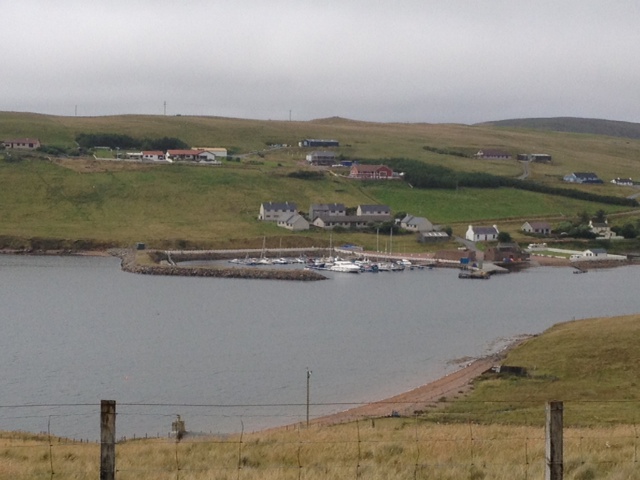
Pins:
<point x="308" y="396"/>
<point x="165" y="108"/>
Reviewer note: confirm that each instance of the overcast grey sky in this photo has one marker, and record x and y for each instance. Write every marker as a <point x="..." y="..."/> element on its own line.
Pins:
<point x="436" y="61"/>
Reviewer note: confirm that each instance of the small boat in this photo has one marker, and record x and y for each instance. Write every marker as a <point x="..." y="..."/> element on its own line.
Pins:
<point x="344" y="266"/>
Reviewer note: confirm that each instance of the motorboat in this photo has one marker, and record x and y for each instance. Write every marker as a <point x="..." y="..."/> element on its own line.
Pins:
<point x="345" y="266"/>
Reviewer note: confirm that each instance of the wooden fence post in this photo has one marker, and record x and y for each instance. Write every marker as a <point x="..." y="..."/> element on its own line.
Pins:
<point x="107" y="440"/>
<point x="554" y="468"/>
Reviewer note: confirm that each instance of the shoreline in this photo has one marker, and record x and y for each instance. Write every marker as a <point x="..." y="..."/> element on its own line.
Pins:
<point x="444" y="389"/>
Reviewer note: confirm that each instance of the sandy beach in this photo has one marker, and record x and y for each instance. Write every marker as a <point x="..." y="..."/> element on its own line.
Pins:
<point x="405" y="404"/>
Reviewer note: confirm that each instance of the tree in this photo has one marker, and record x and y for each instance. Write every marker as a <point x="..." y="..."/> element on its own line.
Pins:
<point x="504" y="237"/>
<point x="601" y="216"/>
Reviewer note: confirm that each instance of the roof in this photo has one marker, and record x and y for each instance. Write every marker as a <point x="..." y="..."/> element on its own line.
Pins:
<point x="494" y="153"/>
<point x="22" y="140"/>
<point x="597" y="251"/>
<point x="184" y="152"/>
<point x="374" y="208"/>
<point x="585" y="175"/>
<point x="348" y="218"/>
<point x="484" y="230"/>
<point x="290" y="218"/>
<point x="278" y="206"/>
<point x="539" y="225"/>
<point x="410" y="219"/>
<point x="369" y="168"/>
<point x="331" y="207"/>
<point x="152" y="152"/>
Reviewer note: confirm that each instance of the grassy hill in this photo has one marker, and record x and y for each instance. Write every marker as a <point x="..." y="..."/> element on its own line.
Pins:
<point x="592" y="126"/>
<point x="116" y="203"/>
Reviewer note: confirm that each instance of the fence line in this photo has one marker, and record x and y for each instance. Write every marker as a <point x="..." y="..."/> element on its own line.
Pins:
<point x="419" y="446"/>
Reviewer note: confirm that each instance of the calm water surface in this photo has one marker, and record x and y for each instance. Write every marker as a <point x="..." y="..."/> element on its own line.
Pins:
<point x="229" y="354"/>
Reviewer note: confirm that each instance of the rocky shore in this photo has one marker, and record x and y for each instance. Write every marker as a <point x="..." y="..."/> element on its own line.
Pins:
<point x="129" y="264"/>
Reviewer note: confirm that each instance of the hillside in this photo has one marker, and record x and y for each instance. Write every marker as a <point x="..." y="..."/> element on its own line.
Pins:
<point x="104" y="202"/>
<point x="592" y="126"/>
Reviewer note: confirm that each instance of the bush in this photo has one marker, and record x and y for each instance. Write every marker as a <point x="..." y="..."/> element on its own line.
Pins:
<point x="306" y="175"/>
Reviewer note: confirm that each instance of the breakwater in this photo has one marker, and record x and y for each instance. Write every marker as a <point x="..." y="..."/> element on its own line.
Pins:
<point x="163" y="266"/>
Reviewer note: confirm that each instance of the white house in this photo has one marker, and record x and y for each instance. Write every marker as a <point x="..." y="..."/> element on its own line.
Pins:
<point x="271" y="211"/>
<point x="205" y="156"/>
<point x="154" y="156"/>
<point x="383" y="212"/>
<point x="479" y="234"/>
<point x="22" y="143"/>
<point x="327" y="210"/>
<point x="626" y="182"/>
<point x="541" y="228"/>
<point x="596" y="254"/>
<point x="294" y="222"/>
<point x="217" y="151"/>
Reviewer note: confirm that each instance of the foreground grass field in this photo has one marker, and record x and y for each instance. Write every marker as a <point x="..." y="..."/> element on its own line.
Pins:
<point x="496" y="433"/>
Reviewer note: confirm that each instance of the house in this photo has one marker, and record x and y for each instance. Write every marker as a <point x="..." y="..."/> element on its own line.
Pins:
<point x="379" y="212"/>
<point x="626" y="182"/>
<point x="205" y="156"/>
<point x="346" y="221"/>
<point x="271" y="211"/>
<point x="534" y="157"/>
<point x="540" y="228"/>
<point x="217" y="151"/>
<point x="154" y="156"/>
<point x="596" y="254"/>
<point x="22" y="143"/>
<point x="582" y="177"/>
<point x="506" y="253"/>
<point x="479" y="234"/>
<point x="294" y="222"/>
<point x="323" y="158"/>
<point x="183" y="155"/>
<point x="601" y="229"/>
<point x="416" y="224"/>
<point x="313" y="142"/>
<point x="326" y="210"/>
<point x="134" y="156"/>
<point x="592" y="254"/>
<point x="371" y="172"/>
<point x="492" y="154"/>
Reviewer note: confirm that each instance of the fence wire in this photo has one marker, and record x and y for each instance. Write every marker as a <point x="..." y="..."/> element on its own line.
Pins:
<point x="437" y="444"/>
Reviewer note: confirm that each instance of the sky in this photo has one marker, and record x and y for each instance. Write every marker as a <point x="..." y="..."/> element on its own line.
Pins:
<point x="433" y="61"/>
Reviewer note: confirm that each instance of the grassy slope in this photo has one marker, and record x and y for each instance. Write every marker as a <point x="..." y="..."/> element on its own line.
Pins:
<point x="204" y="206"/>
<point x="590" y="364"/>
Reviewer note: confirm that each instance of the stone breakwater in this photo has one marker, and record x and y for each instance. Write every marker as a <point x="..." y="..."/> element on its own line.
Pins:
<point x="129" y="264"/>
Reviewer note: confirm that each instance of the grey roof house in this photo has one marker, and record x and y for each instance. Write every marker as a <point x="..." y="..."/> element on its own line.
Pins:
<point x="327" y="210"/>
<point x="271" y="211"/>
<point x="416" y="224"/>
<point x="381" y="212"/>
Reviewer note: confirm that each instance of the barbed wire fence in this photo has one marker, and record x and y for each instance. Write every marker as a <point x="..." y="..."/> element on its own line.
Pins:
<point x="437" y="444"/>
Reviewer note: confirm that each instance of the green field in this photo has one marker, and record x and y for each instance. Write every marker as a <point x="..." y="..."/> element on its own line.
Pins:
<point x="118" y="203"/>
<point x="591" y="365"/>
